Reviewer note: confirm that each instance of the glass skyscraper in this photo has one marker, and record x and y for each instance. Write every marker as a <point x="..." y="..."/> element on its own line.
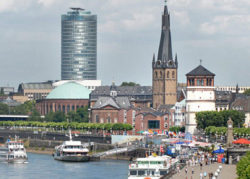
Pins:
<point x="78" y="45"/>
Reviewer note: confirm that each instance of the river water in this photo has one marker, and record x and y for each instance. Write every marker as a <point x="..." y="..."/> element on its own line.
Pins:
<point x="45" y="167"/>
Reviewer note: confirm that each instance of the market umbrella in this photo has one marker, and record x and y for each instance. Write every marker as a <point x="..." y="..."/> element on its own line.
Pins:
<point x="241" y="141"/>
<point x="218" y="151"/>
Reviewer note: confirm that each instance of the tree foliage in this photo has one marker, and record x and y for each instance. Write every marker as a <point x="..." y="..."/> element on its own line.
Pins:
<point x="243" y="167"/>
<point x="177" y="129"/>
<point x="219" y="119"/>
<point x="222" y="131"/>
<point x="71" y="125"/>
<point x="4" y="109"/>
<point x="129" y="84"/>
<point x="247" y="92"/>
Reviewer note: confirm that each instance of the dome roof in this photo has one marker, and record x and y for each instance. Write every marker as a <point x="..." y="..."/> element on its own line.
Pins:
<point x="70" y="90"/>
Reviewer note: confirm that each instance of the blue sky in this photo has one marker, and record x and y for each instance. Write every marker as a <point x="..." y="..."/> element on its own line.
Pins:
<point x="218" y="32"/>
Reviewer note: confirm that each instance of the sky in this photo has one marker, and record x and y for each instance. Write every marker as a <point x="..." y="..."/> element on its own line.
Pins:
<point x="218" y="32"/>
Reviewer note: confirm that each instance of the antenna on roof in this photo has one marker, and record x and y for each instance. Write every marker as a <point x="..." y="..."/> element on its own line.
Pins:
<point x="165" y="2"/>
<point x="200" y="61"/>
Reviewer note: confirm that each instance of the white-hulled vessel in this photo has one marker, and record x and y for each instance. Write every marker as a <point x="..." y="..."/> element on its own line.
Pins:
<point x="153" y="167"/>
<point x="13" y="152"/>
<point x="71" y="151"/>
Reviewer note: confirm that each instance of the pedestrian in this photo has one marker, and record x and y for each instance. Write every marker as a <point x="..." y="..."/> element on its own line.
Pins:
<point x="192" y="170"/>
<point x="200" y="166"/>
<point x="186" y="170"/>
<point x="201" y="175"/>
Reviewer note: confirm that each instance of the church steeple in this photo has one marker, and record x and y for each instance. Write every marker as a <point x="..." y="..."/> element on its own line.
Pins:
<point x="165" y="47"/>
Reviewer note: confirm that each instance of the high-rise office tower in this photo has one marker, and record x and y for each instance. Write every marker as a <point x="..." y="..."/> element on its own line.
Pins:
<point x="78" y="45"/>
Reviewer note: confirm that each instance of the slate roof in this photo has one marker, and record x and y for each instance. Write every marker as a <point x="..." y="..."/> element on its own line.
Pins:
<point x="42" y="85"/>
<point x="223" y="97"/>
<point x="200" y="71"/>
<point x="10" y="102"/>
<point x="241" y="103"/>
<point x="132" y="92"/>
<point x="165" y="47"/>
<point x="118" y="102"/>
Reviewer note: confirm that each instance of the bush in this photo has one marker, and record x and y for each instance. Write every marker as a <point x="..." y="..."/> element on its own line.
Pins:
<point x="243" y="167"/>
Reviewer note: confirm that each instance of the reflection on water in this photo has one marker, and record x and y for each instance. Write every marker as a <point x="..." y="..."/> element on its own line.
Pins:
<point x="44" y="166"/>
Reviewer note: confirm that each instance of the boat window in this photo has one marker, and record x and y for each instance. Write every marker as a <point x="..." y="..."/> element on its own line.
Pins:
<point x="141" y="172"/>
<point x="143" y="162"/>
<point x="133" y="172"/>
<point x="153" y="162"/>
<point x="163" y="172"/>
<point x="152" y="172"/>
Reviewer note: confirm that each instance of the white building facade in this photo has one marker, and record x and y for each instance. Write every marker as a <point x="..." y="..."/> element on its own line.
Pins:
<point x="200" y="95"/>
<point x="179" y="113"/>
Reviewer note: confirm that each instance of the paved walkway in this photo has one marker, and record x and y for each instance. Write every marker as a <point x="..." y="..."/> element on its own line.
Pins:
<point x="227" y="172"/>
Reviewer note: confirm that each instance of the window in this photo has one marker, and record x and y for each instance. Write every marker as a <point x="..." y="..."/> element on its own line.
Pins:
<point x="141" y="172"/>
<point x="167" y="74"/>
<point x="156" y="74"/>
<point x="191" y="81"/>
<point x="173" y="74"/>
<point x="97" y="119"/>
<point x="153" y="124"/>
<point x="160" y="74"/>
<point x="209" y="82"/>
<point x="133" y="172"/>
<point x="108" y="119"/>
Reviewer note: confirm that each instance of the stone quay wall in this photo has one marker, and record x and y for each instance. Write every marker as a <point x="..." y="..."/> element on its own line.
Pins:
<point x="50" y="136"/>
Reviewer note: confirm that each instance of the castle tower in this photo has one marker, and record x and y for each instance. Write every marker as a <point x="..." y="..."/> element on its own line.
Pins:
<point x="200" y="95"/>
<point x="165" y="68"/>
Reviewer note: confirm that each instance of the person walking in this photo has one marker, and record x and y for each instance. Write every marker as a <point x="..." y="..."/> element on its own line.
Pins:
<point x="200" y="166"/>
<point x="192" y="170"/>
<point x="186" y="170"/>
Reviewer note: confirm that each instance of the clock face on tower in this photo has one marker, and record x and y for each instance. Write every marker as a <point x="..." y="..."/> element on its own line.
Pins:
<point x="229" y="125"/>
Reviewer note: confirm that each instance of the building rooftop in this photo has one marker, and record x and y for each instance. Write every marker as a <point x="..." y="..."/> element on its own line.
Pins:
<point x="70" y="90"/>
<point x="200" y="71"/>
<point x="117" y="102"/>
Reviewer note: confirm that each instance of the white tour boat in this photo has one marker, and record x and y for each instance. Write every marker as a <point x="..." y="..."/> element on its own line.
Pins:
<point x="13" y="152"/>
<point x="152" y="167"/>
<point x="71" y="151"/>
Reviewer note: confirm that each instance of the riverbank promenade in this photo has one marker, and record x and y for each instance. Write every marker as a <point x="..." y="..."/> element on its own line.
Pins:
<point x="228" y="172"/>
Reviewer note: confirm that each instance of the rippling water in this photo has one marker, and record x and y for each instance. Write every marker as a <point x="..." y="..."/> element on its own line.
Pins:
<point x="44" y="166"/>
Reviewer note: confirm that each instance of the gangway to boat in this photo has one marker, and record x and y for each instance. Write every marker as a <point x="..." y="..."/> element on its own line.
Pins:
<point x="115" y="151"/>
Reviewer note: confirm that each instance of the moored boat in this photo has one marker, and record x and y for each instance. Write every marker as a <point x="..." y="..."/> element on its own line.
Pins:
<point x="153" y="167"/>
<point x="71" y="151"/>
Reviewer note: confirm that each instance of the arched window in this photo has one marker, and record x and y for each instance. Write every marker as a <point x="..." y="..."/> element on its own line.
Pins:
<point x="160" y="74"/>
<point x="173" y="74"/>
<point x="156" y="74"/>
<point x="167" y="74"/>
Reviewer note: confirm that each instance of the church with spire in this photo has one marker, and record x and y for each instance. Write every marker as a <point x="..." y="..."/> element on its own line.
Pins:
<point x="164" y="67"/>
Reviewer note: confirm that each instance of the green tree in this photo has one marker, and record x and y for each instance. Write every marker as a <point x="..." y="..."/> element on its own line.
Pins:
<point x="83" y="113"/>
<point x="219" y="119"/>
<point x="129" y="84"/>
<point x="72" y="116"/>
<point x="247" y="92"/>
<point x="4" y="109"/>
<point x="35" y="116"/>
<point x="243" y="167"/>
<point x="57" y="116"/>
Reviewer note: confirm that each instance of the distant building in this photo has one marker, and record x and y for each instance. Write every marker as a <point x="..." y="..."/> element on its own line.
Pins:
<point x="79" y="45"/>
<point x="223" y="100"/>
<point x="139" y="96"/>
<point x="67" y="97"/>
<point x="90" y="84"/>
<point x="200" y="95"/>
<point x="114" y="109"/>
<point x="6" y="90"/>
<point x="242" y="103"/>
<point x="232" y="89"/>
<point x="35" y="91"/>
<point x="10" y="102"/>
<point x="179" y="116"/>
<point x="165" y="68"/>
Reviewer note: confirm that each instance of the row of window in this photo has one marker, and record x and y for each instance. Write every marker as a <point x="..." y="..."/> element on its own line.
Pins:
<point x="200" y="82"/>
<point x="160" y="74"/>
